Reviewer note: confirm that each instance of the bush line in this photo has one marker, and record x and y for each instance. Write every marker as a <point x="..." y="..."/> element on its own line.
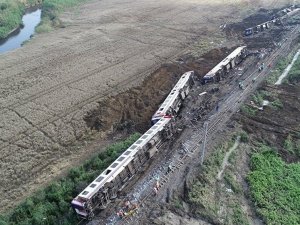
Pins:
<point x="11" y="12"/>
<point x="51" y="206"/>
<point x="274" y="187"/>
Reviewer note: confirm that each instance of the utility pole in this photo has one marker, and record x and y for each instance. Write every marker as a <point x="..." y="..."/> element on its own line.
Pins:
<point x="204" y="142"/>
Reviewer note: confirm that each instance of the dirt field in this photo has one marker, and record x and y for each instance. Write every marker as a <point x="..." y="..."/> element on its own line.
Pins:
<point x="51" y="86"/>
<point x="226" y="194"/>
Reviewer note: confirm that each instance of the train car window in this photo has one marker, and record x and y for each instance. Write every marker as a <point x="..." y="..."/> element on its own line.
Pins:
<point x="133" y="146"/>
<point x="139" y="142"/>
<point x="85" y="193"/>
<point x="114" y="165"/>
<point x="144" y="136"/>
<point x="99" y="179"/>
<point x="161" y="109"/>
<point x="127" y="152"/>
<point x="93" y="185"/>
<point x="149" y="132"/>
<point x="121" y="158"/>
<point x="107" y="172"/>
<point x="154" y="127"/>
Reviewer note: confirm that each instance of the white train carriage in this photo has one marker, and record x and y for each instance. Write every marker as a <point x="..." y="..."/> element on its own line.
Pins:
<point x="225" y="65"/>
<point x="105" y="187"/>
<point x="172" y="103"/>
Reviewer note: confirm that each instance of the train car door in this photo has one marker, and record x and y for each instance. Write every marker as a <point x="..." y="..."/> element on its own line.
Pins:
<point x="152" y="151"/>
<point x="232" y="63"/>
<point x="130" y="169"/>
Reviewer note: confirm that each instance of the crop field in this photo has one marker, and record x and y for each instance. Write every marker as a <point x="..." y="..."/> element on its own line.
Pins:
<point x="50" y="85"/>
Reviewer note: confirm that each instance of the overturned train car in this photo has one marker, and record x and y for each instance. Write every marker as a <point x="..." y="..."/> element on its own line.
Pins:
<point x="223" y="68"/>
<point x="106" y="186"/>
<point x="172" y="103"/>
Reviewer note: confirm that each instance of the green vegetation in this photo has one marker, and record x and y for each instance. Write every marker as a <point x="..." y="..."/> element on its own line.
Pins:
<point x="275" y="187"/>
<point x="232" y="184"/>
<point x="52" y="204"/>
<point x="292" y="146"/>
<point x="239" y="216"/>
<point x="294" y="74"/>
<point x="11" y="12"/>
<point x="10" y="16"/>
<point x="202" y="193"/>
<point x="215" y="198"/>
<point x="258" y="98"/>
<point x="244" y="137"/>
<point x="280" y="67"/>
<point x="277" y="104"/>
<point x="50" y="12"/>
<point x="248" y="110"/>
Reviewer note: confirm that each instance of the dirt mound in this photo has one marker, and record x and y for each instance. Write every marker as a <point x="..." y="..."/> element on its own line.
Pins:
<point x="266" y="39"/>
<point x="132" y="110"/>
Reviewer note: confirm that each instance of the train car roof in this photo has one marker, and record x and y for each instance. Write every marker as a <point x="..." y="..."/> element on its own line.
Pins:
<point x="119" y="164"/>
<point x="224" y="62"/>
<point x="173" y="94"/>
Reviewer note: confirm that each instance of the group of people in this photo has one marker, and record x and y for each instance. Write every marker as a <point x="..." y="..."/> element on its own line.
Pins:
<point x="128" y="209"/>
<point x="131" y="207"/>
<point x="156" y="186"/>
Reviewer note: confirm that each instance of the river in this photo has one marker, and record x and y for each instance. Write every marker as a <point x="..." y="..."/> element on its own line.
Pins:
<point x="30" y="20"/>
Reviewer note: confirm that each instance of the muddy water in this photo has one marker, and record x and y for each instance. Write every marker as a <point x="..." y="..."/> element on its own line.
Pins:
<point x="30" y="21"/>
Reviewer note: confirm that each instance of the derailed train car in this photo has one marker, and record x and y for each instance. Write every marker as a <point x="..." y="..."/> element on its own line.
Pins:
<point x="225" y="65"/>
<point x="106" y="186"/>
<point x="172" y="103"/>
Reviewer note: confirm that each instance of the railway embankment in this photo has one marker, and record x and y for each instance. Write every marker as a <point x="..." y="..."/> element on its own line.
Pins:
<point x="193" y="63"/>
<point x="262" y="173"/>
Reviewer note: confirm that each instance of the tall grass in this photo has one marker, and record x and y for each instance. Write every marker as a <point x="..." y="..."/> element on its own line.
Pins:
<point x="10" y="16"/>
<point x="274" y="187"/>
<point x="50" y="12"/>
<point x="51" y="206"/>
<point x="11" y="12"/>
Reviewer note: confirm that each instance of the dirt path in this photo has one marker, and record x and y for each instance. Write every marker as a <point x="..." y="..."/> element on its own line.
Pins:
<point x="225" y="160"/>
<point x="287" y="69"/>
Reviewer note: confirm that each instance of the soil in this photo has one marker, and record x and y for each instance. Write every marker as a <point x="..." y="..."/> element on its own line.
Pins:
<point x="272" y="126"/>
<point x="131" y="110"/>
<point x="51" y="86"/>
<point x="269" y="125"/>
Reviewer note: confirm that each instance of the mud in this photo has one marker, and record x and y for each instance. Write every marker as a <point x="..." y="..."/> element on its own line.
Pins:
<point x="272" y="125"/>
<point x="48" y="86"/>
<point x="261" y="128"/>
<point x="133" y="109"/>
<point x="268" y="38"/>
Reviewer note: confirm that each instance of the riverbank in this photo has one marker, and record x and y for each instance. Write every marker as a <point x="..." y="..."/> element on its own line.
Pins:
<point x="11" y="12"/>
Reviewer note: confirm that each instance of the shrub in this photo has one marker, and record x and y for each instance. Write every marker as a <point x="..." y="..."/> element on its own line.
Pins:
<point x="277" y="104"/>
<point x="248" y="110"/>
<point x="244" y="137"/>
<point x="274" y="187"/>
<point x="52" y="204"/>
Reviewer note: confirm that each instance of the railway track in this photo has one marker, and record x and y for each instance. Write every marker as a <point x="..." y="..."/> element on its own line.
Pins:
<point x="218" y="120"/>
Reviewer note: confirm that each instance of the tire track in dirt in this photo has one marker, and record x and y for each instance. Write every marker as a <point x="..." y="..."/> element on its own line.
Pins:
<point x="87" y="101"/>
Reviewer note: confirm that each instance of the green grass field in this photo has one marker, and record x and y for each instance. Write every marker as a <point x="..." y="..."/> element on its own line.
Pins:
<point x="275" y="188"/>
